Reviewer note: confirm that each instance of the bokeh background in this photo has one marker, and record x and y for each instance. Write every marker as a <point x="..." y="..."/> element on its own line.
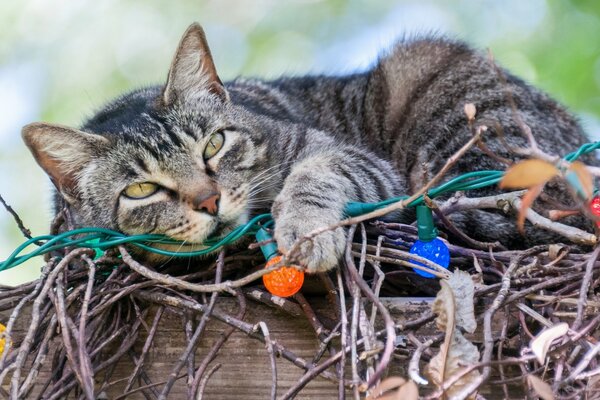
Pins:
<point x="60" y="60"/>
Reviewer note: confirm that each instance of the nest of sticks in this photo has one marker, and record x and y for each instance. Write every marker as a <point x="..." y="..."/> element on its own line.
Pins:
<point x="536" y="312"/>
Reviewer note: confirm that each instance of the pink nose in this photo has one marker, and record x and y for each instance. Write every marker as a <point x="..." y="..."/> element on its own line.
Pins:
<point x="208" y="203"/>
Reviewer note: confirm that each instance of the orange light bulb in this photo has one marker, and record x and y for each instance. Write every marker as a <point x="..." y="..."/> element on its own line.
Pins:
<point x="283" y="282"/>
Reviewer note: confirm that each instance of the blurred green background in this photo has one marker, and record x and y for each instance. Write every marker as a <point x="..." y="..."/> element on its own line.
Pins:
<point x="61" y="60"/>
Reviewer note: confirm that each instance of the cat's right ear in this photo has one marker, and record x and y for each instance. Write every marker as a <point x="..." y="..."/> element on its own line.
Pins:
<point x="62" y="152"/>
<point x="193" y="69"/>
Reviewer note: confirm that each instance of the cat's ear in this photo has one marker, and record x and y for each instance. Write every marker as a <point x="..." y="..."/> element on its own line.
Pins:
<point x="62" y="152"/>
<point x="192" y="69"/>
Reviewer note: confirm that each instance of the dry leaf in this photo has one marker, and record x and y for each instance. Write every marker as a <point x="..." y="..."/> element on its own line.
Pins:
<point x="540" y="387"/>
<point x="443" y="307"/>
<point x="556" y="215"/>
<point x="456" y="351"/>
<point x="478" y="277"/>
<point x="461" y="352"/>
<point x="390" y="383"/>
<point x="463" y="288"/>
<point x="528" y="173"/>
<point x="526" y="202"/>
<point x="386" y="390"/>
<point x="580" y="178"/>
<point x="592" y="389"/>
<point x="408" y="391"/>
<point x="556" y="250"/>
<point x="541" y="343"/>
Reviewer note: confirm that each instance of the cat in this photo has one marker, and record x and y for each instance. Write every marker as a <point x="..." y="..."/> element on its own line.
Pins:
<point x="196" y="157"/>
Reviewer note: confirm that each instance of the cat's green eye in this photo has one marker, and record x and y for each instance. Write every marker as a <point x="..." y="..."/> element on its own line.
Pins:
<point x="215" y="142"/>
<point x="140" y="190"/>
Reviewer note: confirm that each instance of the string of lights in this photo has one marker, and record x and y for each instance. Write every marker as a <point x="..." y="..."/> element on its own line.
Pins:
<point x="102" y="239"/>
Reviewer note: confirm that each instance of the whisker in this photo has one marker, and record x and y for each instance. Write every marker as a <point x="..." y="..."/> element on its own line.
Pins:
<point x="254" y="181"/>
<point x="171" y="258"/>
<point x="265" y="171"/>
<point x="254" y="185"/>
<point x="261" y="186"/>
<point x="259" y="191"/>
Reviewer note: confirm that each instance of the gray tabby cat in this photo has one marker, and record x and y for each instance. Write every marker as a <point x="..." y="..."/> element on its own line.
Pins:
<point x="197" y="157"/>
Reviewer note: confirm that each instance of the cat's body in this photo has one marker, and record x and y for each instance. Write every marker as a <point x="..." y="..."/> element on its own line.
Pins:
<point x="209" y="155"/>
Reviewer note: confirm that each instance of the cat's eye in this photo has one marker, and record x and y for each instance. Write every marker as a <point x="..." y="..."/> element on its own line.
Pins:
<point x="140" y="190"/>
<point x="215" y="142"/>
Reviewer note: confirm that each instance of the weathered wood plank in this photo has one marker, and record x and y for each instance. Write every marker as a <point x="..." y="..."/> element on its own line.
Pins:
<point x="245" y="368"/>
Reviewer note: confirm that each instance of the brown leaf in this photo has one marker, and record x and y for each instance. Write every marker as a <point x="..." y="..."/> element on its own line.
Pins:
<point x="540" y="387"/>
<point x="464" y="291"/>
<point x="386" y="390"/>
<point x="478" y="277"/>
<point x="456" y="351"/>
<point x="460" y="354"/>
<point x="528" y="173"/>
<point x="408" y="391"/>
<point x="541" y="343"/>
<point x="390" y="383"/>
<point x="444" y="307"/>
<point x="592" y="389"/>
<point x="555" y="215"/>
<point x="526" y="202"/>
<point x="557" y="250"/>
<point x="585" y="181"/>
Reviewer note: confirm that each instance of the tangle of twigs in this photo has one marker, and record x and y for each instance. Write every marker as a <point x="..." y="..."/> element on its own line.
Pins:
<point x="84" y="316"/>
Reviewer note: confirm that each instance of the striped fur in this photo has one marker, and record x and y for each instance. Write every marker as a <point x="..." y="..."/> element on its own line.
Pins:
<point x="300" y="146"/>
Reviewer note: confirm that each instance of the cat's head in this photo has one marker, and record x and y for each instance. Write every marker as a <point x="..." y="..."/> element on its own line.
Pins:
<point x="180" y="160"/>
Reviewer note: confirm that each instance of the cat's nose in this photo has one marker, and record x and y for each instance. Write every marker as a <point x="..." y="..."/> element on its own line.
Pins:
<point x="209" y="203"/>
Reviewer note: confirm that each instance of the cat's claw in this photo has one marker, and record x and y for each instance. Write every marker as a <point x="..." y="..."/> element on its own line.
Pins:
<point x="318" y="254"/>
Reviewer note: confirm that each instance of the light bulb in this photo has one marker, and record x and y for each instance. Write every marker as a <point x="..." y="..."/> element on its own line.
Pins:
<point x="429" y="246"/>
<point x="595" y="208"/>
<point x="435" y="251"/>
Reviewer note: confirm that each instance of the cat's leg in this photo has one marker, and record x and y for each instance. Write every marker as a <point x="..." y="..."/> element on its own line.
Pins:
<point x="315" y="193"/>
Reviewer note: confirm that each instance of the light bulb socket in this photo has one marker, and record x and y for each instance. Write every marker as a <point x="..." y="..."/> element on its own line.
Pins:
<point x="269" y="249"/>
<point x="426" y="229"/>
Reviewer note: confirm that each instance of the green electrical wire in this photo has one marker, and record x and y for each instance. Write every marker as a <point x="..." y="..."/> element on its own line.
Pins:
<point x="101" y="239"/>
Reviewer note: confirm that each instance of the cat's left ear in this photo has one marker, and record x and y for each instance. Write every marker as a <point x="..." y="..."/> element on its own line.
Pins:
<point x="193" y="69"/>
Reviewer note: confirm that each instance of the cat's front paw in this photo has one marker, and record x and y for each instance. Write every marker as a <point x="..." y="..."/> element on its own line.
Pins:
<point x="319" y="254"/>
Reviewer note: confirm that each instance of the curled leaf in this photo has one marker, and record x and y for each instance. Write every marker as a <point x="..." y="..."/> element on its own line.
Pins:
<point x="461" y="352"/>
<point x="581" y="180"/>
<point x="408" y="391"/>
<point x="453" y="306"/>
<point x="557" y="250"/>
<point x="541" y="343"/>
<point x="395" y="388"/>
<point x="556" y="215"/>
<point x="478" y="277"/>
<point x="526" y="202"/>
<point x="443" y="306"/>
<point x="464" y="291"/>
<point x="528" y="173"/>
<point x="540" y="387"/>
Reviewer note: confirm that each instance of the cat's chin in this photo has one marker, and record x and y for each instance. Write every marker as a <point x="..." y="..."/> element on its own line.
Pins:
<point x="158" y="260"/>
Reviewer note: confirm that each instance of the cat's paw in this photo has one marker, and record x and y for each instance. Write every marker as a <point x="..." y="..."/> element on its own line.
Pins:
<point x="318" y="254"/>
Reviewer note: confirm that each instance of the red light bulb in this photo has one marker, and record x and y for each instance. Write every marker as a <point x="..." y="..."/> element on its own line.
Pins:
<point x="595" y="208"/>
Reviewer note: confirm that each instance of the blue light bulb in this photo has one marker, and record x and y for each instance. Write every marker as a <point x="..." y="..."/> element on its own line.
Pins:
<point x="435" y="251"/>
<point x="429" y="246"/>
